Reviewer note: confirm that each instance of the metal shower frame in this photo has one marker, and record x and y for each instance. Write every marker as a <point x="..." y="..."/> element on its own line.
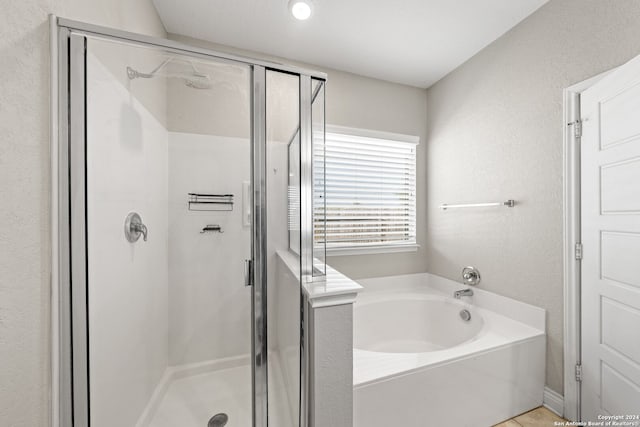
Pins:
<point x="70" y="370"/>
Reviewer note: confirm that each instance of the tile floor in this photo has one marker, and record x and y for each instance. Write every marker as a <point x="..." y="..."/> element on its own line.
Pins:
<point x="539" y="417"/>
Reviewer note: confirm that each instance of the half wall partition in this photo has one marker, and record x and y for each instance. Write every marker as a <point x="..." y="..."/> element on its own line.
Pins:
<point x="176" y="182"/>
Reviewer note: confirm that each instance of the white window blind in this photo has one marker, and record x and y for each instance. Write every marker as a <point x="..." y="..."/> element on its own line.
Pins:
<point x="368" y="190"/>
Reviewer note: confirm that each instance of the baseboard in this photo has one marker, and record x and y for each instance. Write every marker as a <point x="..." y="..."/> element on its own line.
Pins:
<point x="553" y="401"/>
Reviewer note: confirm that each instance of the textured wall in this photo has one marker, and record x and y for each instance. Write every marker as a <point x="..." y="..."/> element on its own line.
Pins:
<point x="24" y="173"/>
<point x="330" y="366"/>
<point x="495" y="132"/>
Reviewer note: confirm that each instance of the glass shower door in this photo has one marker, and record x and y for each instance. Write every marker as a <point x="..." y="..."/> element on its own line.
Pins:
<point x="168" y="229"/>
<point x="283" y="228"/>
<point x="189" y="205"/>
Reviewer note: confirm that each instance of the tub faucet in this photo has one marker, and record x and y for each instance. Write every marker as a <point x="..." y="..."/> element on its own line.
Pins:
<point x="463" y="293"/>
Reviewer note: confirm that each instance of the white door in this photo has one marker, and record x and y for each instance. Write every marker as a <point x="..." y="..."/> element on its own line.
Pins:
<point x="610" y="168"/>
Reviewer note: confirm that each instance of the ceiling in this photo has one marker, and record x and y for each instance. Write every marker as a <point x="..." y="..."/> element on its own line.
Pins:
<point x="415" y="42"/>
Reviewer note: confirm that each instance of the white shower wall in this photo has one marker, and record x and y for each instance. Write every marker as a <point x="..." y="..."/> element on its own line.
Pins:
<point x="209" y="306"/>
<point x="127" y="171"/>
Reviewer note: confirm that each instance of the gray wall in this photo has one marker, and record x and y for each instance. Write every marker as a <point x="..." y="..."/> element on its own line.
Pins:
<point x="373" y="104"/>
<point x="495" y="132"/>
<point x="330" y="365"/>
<point x="25" y="190"/>
<point x="363" y="102"/>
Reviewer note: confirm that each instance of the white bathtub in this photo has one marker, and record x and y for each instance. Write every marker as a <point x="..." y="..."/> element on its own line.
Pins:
<point x="417" y="363"/>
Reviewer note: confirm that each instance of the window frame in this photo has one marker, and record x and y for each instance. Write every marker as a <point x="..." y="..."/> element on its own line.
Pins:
<point x="377" y="248"/>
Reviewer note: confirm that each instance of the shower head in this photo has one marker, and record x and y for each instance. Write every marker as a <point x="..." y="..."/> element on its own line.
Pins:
<point x="193" y="79"/>
<point x="197" y="81"/>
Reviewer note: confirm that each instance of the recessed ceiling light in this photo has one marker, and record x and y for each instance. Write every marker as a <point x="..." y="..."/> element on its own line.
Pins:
<point x="301" y="9"/>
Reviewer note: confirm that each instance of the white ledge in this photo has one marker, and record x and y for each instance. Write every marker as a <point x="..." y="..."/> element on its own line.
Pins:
<point x="333" y="289"/>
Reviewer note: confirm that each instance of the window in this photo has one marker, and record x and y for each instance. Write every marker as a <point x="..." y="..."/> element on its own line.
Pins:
<point x="369" y="190"/>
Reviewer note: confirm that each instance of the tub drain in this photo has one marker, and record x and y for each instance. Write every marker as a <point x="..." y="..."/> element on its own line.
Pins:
<point x="218" y="420"/>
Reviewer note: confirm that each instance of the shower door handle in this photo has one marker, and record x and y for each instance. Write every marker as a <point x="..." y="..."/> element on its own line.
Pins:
<point x="248" y="272"/>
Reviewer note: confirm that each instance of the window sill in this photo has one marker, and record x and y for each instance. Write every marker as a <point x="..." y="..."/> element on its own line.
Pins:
<point x="372" y="250"/>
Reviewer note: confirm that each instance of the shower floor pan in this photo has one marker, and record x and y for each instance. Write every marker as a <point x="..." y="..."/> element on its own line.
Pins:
<point x="190" y="397"/>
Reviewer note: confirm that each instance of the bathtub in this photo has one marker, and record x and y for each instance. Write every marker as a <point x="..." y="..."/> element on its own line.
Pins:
<point x="418" y="363"/>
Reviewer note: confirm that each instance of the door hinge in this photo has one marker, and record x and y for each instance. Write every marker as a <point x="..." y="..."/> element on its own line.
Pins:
<point x="579" y="372"/>
<point x="577" y="128"/>
<point x="578" y="251"/>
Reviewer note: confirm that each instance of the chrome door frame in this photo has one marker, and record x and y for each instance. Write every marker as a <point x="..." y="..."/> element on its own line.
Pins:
<point x="72" y="405"/>
<point x="178" y="47"/>
<point x="78" y="227"/>
<point x="306" y="180"/>
<point x="259" y="365"/>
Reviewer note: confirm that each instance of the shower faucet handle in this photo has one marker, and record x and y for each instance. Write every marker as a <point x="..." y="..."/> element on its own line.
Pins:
<point x="470" y="276"/>
<point x="140" y="228"/>
<point x="133" y="228"/>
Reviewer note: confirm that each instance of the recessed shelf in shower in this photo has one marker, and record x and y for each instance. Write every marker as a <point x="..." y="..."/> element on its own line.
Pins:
<point x="210" y="202"/>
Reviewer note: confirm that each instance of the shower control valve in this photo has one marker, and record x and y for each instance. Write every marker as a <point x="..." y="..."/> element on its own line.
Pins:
<point x="133" y="228"/>
<point x="470" y="276"/>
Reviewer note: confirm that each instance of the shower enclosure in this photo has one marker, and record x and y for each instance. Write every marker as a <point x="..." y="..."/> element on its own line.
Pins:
<point x="181" y="174"/>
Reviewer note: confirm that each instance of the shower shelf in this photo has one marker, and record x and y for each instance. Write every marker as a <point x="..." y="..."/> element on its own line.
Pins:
<point x="210" y="202"/>
<point x="212" y="228"/>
